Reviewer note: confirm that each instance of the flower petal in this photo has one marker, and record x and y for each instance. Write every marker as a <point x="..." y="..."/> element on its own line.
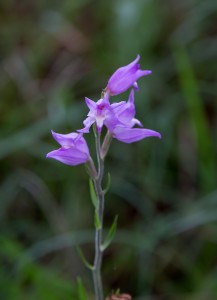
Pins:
<point x="87" y="123"/>
<point x="130" y="135"/>
<point x="125" y="77"/>
<point x="71" y="157"/>
<point x="90" y="103"/>
<point x="99" y="112"/>
<point x="81" y="144"/>
<point x="65" y="140"/>
<point x="125" y="111"/>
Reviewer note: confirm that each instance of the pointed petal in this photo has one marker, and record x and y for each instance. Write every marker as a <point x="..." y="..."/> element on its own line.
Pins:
<point x="128" y="68"/>
<point x="125" y="111"/>
<point x="90" y="103"/>
<point x="71" y="157"/>
<point x="87" y="123"/>
<point x="65" y="140"/>
<point x="118" y="107"/>
<point x="141" y="73"/>
<point x="130" y="135"/>
<point x="84" y="130"/>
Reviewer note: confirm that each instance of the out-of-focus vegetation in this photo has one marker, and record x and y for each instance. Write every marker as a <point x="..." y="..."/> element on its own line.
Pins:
<point x="52" y="55"/>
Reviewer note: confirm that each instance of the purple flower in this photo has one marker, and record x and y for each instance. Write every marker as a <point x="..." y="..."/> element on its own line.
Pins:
<point x="100" y="113"/>
<point x="119" y="118"/>
<point x="125" y="77"/>
<point x="125" y="112"/>
<point x="123" y="130"/>
<point x="73" y="151"/>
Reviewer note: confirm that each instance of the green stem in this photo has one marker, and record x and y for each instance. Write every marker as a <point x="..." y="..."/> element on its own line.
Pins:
<point x="97" y="279"/>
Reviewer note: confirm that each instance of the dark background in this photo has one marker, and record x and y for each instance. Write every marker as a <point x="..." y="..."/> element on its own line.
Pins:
<point x="52" y="55"/>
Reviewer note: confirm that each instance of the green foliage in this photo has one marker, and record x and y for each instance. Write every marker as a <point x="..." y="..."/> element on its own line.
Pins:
<point x="108" y="184"/>
<point x="84" y="260"/>
<point x="81" y="290"/>
<point x="53" y="54"/>
<point x="109" y="238"/>
<point x="93" y="195"/>
<point x="97" y="221"/>
<point x="29" y="280"/>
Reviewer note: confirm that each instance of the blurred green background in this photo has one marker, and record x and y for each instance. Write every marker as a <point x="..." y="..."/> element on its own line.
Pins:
<point x="52" y="55"/>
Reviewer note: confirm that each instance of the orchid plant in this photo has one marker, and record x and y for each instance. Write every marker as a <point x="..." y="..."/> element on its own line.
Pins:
<point x="119" y="119"/>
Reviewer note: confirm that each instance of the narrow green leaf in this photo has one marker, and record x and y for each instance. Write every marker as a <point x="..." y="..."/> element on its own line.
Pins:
<point x="108" y="184"/>
<point x="110" y="235"/>
<point x="97" y="221"/>
<point x="81" y="290"/>
<point x="93" y="194"/>
<point x="84" y="260"/>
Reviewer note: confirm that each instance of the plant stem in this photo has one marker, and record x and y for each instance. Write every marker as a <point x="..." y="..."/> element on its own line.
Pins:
<point x="97" y="279"/>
